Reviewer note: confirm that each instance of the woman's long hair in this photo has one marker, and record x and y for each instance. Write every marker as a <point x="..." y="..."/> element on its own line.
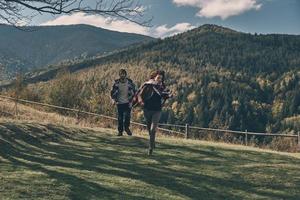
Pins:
<point x="159" y="72"/>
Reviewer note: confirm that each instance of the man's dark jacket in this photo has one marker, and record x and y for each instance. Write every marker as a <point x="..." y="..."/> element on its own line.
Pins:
<point x="115" y="90"/>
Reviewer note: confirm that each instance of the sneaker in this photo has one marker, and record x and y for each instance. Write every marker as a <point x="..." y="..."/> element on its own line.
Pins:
<point x="128" y="132"/>
<point x="150" y="151"/>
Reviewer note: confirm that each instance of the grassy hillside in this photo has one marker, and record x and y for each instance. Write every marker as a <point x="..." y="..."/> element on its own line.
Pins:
<point x="46" y="161"/>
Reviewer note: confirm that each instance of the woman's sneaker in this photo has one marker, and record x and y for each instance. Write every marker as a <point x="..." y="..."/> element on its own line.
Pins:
<point x="150" y="151"/>
<point x="120" y="134"/>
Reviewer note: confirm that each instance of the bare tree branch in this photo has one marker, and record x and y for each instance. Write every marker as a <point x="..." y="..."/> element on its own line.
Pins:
<point x="12" y="11"/>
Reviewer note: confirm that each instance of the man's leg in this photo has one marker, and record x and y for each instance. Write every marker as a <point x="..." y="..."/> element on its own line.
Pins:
<point x="120" y="119"/>
<point x="127" y="113"/>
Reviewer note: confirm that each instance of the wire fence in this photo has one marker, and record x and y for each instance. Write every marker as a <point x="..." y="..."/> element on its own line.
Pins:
<point x="181" y="130"/>
<point x="77" y="112"/>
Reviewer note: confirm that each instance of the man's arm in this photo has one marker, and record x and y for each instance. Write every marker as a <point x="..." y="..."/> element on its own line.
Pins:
<point x="134" y="87"/>
<point x="113" y="92"/>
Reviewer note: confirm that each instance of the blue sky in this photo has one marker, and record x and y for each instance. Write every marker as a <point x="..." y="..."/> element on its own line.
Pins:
<point x="175" y="16"/>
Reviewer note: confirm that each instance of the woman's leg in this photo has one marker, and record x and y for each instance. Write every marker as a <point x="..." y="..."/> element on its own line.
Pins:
<point x="148" y="117"/>
<point x="154" y="124"/>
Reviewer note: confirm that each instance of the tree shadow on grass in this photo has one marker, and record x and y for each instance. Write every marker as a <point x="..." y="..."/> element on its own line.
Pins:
<point x="99" y="153"/>
<point x="16" y="152"/>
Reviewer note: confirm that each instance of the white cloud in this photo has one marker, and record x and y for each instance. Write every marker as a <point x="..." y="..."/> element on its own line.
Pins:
<point x="220" y="8"/>
<point x="119" y="25"/>
<point x="99" y="21"/>
<point x="164" y="31"/>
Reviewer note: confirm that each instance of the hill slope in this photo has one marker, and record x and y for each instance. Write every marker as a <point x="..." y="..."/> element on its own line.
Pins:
<point x="221" y="79"/>
<point x="45" y="161"/>
<point x="205" y="46"/>
<point x="46" y="45"/>
<point x="208" y="45"/>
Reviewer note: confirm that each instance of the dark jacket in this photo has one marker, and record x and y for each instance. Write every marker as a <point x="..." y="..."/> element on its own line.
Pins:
<point x="147" y="90"/>
<point x="115" y="90"/>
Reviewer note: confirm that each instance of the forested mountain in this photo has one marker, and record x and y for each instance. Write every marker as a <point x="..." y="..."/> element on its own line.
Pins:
<point x="221" y="78"/>
<point x="221" y="47"/>
<point x="36" y="47"/>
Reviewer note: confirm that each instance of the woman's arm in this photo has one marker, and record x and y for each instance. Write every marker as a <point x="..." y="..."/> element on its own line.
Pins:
<point x="137" y="99"/>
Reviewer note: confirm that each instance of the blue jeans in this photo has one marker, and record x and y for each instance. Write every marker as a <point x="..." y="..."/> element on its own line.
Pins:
<point x="124" y="113"/>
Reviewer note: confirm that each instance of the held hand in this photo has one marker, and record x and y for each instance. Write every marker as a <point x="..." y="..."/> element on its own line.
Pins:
<point x="171" y="95"/>
<point x="142" y="103"/>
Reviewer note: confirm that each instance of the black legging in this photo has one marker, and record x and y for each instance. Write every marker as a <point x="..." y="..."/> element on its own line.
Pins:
<point x="152" y="119"/>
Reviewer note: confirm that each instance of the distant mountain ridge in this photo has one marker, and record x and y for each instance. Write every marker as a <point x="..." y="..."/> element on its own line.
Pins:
<point x="195" y="49"/>
<point x="45" y="45"/>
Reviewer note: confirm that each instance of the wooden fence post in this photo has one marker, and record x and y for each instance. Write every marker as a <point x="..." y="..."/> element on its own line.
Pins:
<point x="187" y="131"/>
<point x="77" y="117"/>
<point x="16" y="106"/>
<point x="246" y="138"/>
<point x="298" y="139"/>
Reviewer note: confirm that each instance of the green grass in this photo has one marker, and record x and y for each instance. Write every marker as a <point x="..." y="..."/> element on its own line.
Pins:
<point x="42" y="161"/>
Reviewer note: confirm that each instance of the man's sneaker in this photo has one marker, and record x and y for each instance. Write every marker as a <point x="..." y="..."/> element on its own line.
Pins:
<point x="150" y="151"/>
<point x="120" y="134"/>
<point x="128" y="132"/>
